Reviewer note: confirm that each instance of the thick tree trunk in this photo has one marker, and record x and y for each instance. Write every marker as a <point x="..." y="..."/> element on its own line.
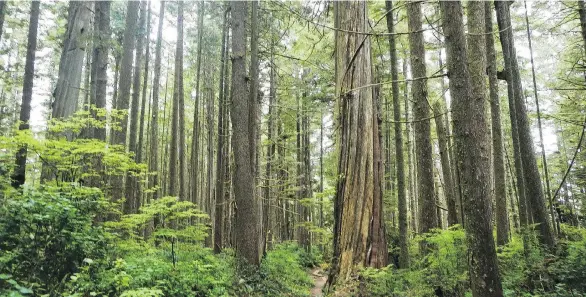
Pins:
<point x="66" y="94"/>
<point x="19" y="174"/>
<point x="358" y="228"/>
<point x="247" y="225"/>
<point x="100" y="62"/>
<point x="423" y="151"/>
<point x="534" y="191"/>
<point x="399" y="162"/>
<point x="500" y="191"/>
<point x="467" y="86"/>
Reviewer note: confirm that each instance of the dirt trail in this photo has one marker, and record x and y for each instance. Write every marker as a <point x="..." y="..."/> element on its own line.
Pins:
<point x="319" y="280"/>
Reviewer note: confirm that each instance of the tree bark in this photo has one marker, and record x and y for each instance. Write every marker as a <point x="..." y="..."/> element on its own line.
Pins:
<point x="399" y="162"/>
<point x="358" y="228"/>
<point x="19" y="174"/>
<point x="446" y="164"/>
<point x="467" y="86"/>
<point x="195" y="139"/>
<point x="534" y="191"/>
<point x="500" y="187"/>
<point x="247" y="225"/>
<point x="66" y="94"/>
<point x="100" y="63"/>
<point x="423" y="150"/>
<point x="3" y="9"/>
<point x="139" y="146"/>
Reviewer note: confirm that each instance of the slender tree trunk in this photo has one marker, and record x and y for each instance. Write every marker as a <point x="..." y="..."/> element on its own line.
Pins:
<point x="19" y="174"/>
<point x="399" y="162"/>
<point x="467" y="86"/>
<point x="139" y="147"/>
<point x="534" y="191"/>
<point x="3" y="9"/>
<point x="181" y="94"/>
<point x="358" y="228"/>
<point x="502" y="217"/>
<point x="66" y="94"/>
<point x="195" y="139"/>
<point x="222" y="156"/>
<point x="154" y="144"/>
<point x="446" y="164"/>
<point x="132" y="203"/>
<point x="247" y="225"/>
<point x="426" y="203"/>
<point x="410" y="159"/>
<point x="270" y="207"/>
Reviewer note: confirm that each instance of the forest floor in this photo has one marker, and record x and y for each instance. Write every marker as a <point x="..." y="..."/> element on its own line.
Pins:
<point x="319" y="280"/>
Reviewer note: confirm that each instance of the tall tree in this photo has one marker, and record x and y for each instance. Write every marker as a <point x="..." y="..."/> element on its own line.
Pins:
<point x="154" y="143"/>
<point x="467" y="86"/>
<point x="100" y="62"/>
<point x="247" y="225"/>
<point x="195" y="140"/>
<point x="139" y="146"/>
<point x="446" y="163"/>
<point x="2" y="15"/>
<point x="400" y="163"/>
<point x="66" y="94"/>
<point x="355" y="244"/>
<point x="222" y="156"/>
<point x="498" y="166"/>
<point x="19" y="174"/>
<point x="132" y="202"/>
<point x="423" y="152"/>
<point x="534" y="190"/>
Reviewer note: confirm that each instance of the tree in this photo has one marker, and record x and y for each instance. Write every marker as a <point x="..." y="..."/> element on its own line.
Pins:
<point x="467" y="86"/>
<point x="19" y="174"/>
<point x="143" y="103"/>
<point x="99" y="75"/>
<point x="500" y="187"/>
<point x="400" y="163"/>
<point x="196" y="133"/>
<point x="532" y="180"/>
<point x="2" y="15"/>
<point x="66" y="94"/>
<point x="222" y="155"/>
<point x="358" y="166"/>
<point x="247" y="225"/>
<point x="423" y="153"/>
<point x="154" y="143"/>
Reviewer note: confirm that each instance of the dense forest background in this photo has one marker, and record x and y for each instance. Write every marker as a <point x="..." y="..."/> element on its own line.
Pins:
<point x="288" y="148"/>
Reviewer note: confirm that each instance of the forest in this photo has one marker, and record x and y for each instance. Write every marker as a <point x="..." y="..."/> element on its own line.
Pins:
<point x="292" y="148"/>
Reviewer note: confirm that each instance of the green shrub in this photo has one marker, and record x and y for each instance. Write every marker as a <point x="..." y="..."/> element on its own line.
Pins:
<point x="46" y="235"/>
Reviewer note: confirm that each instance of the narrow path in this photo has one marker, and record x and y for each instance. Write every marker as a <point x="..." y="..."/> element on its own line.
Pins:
<point x="319" y="280"/>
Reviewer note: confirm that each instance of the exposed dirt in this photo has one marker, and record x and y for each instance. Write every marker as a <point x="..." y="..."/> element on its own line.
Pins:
<point x="319" y="280"/>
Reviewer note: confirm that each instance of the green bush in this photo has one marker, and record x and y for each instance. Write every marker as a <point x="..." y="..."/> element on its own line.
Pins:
<point x="46" y="235"/>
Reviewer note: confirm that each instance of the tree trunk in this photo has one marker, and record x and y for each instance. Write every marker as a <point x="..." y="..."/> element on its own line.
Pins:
<point x="100" y="62"/>
<point x="19" y="174"/>
<point x="358" y="228"/>
<point x="270" y="208"/>
<point x="3" y="9"/>
<point x="66" y="94"/>
<point x="139" y="146"/>
<point x="222" y="156"/>
<point x="132" y="202"/>
<point x="195" y="139"/>
<point x="423" y="152"/>
<point x="534" y="191"/>
<point x="467" y="86"/>
<point x="446" y="164"/>
<point x="500" y="188"/>
<point x="247" y="229"/>
<point x="399" y="162"/>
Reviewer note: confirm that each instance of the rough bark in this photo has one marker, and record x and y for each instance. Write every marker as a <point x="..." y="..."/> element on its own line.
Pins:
<point x="247" y="225"/>
<point x="423" y="150"/>
<point x="534" y="191"/>
<point x="125" y="78"/>
<point x="19" y="174"/>
<point x="357" y="241"/>
<point x="66" y="94"/>
<point x="399" y="162"/>
<point x="446" y="164"/>
<point x="500" y="187"/>
<point x="467" y="86"/>
<point x="100" y="63"/>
